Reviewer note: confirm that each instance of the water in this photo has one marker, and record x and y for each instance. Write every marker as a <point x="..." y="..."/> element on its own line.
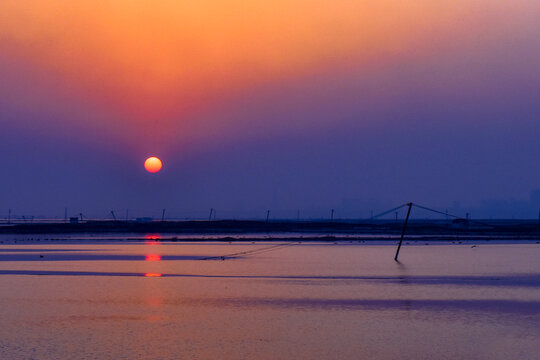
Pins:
<point x="150" y="300"/>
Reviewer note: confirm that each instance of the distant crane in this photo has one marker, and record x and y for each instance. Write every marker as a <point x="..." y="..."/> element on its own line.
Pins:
<point x="163" y="215"/>
<point x="114" y="216"/>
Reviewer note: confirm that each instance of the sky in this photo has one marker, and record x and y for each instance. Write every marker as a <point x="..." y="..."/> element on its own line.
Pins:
<point x="287" y="105"/>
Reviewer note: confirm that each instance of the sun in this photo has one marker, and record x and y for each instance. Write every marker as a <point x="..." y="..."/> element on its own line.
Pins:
<point x="153" y="164"/>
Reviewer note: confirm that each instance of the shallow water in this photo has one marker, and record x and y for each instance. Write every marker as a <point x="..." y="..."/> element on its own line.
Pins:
<point x="146" y="300"/>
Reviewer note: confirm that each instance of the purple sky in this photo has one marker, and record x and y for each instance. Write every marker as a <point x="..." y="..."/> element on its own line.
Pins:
<point x="451" y="121"/>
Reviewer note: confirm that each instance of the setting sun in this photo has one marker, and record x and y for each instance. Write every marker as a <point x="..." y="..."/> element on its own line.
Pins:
<point x="153" y="164"/>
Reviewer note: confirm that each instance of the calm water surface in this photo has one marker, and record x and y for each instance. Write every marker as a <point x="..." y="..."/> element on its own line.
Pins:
<point x="150" y="300"/>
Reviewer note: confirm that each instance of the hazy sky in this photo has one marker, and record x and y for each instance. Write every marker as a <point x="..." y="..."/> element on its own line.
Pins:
<point x="269" y="104"/>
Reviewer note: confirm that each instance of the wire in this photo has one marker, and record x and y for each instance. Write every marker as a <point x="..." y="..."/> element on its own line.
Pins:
<point x="252" y="252"/>
<point x="454" y="216"/>
<point x="387" y="212"/>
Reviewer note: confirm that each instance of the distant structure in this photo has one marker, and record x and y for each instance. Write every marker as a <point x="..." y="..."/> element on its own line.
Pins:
<point x="460" y="224"/>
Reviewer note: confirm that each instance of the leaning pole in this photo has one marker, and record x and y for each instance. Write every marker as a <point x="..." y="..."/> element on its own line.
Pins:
<point x="403" y="230"/>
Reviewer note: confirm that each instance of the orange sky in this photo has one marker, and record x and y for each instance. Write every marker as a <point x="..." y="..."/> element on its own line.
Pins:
<point x="145" y="61"/>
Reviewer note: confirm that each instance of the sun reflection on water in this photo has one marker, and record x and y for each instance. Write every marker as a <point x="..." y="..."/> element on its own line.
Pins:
<point x="153" y="275"/>
<point x="153" y="257"/>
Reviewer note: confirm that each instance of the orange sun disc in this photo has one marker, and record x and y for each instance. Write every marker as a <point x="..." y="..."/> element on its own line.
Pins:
<point x="153" y="164"/>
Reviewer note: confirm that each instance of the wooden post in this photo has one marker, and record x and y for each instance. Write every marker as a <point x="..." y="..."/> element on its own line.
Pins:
<point x="403" y="231"/>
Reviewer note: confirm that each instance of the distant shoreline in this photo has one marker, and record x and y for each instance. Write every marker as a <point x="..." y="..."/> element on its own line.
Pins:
<point x="237" y="230"/>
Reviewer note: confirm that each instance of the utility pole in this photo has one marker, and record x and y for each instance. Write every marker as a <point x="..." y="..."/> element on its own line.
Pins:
<point x="163" y="215"/>
<point x="332" y="215"/>
<point x="403" y="230"/>
<point x="267" y="215"/>
<point x="210" y="216"/>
